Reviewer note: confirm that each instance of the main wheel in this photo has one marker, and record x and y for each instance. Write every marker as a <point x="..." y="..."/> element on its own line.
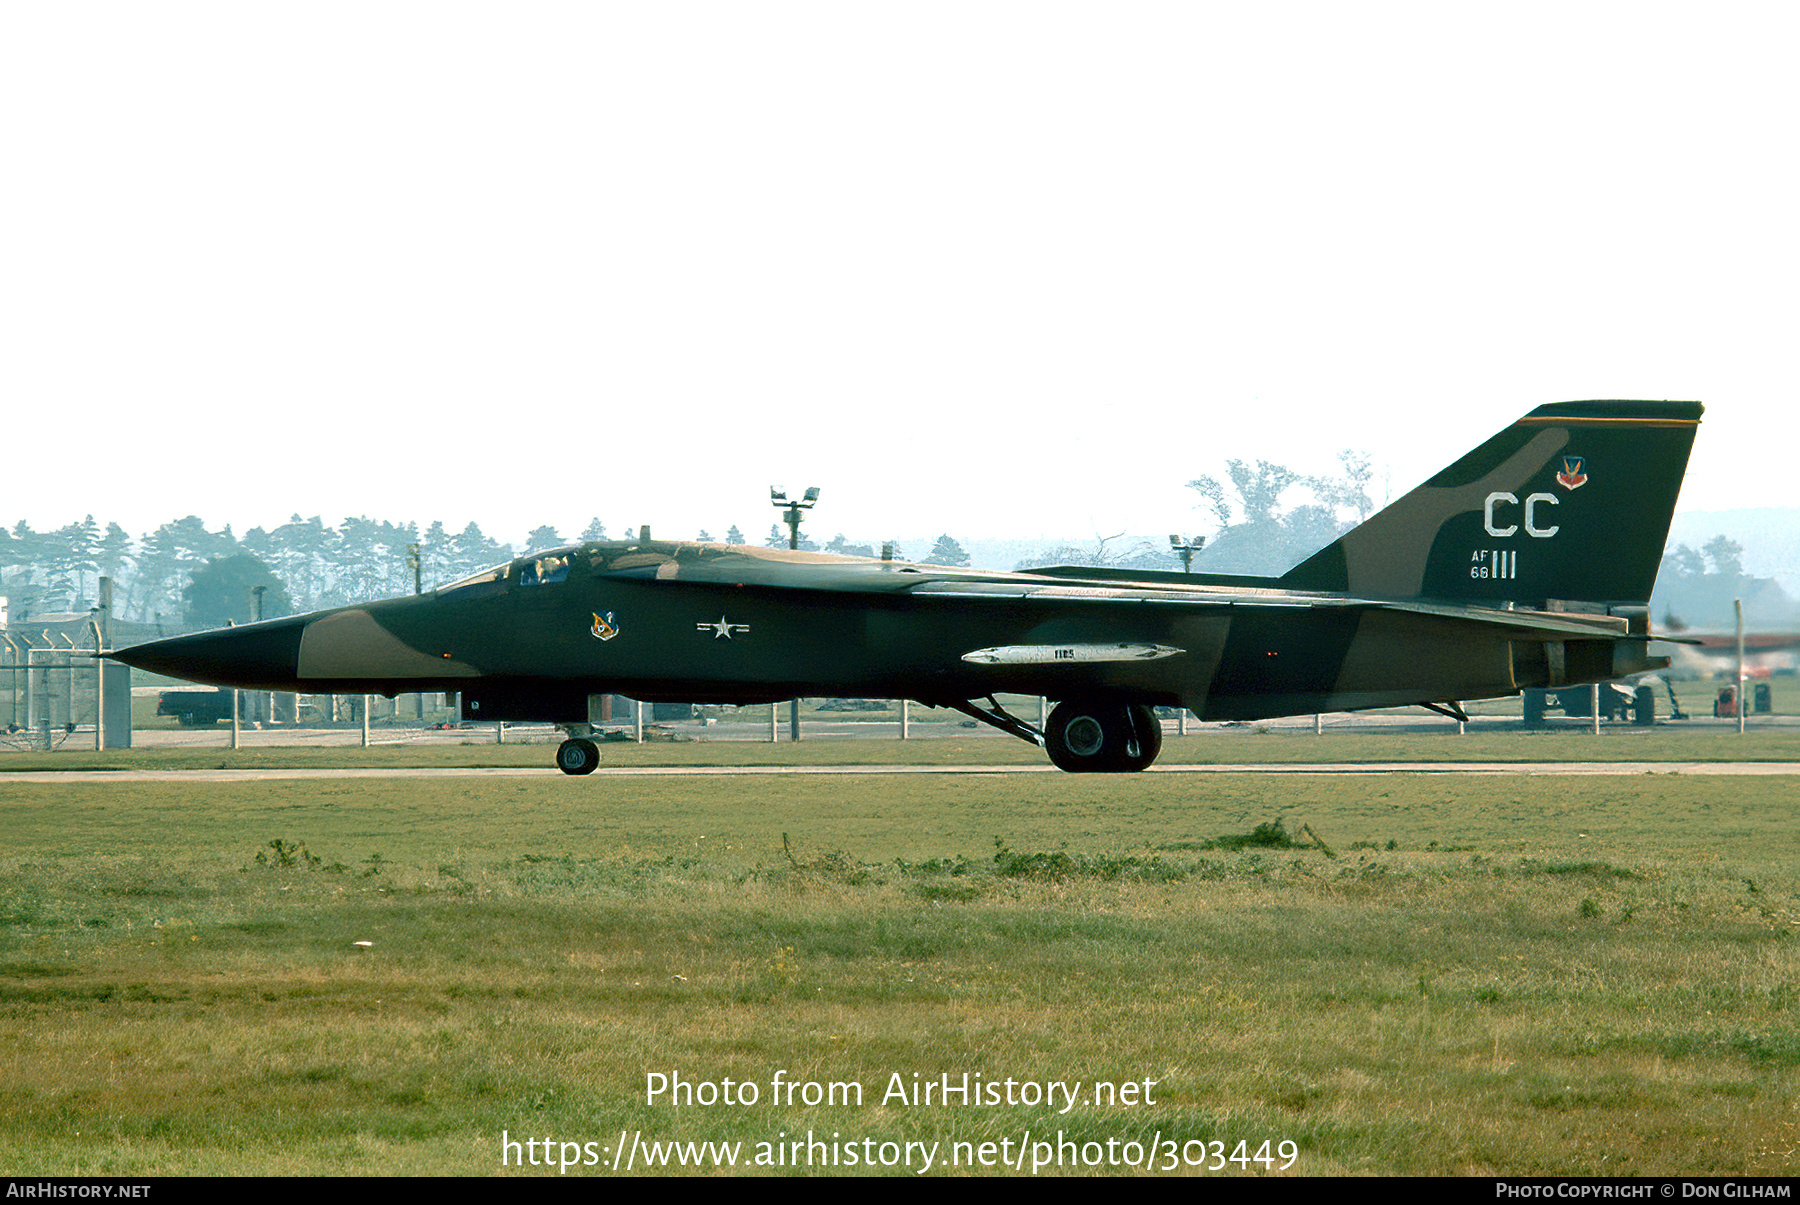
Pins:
<point x="1076" y="736"/>
<point x="1143" y="742"/>
<point x="1092" y="736"/>
<point x="577" y="755"/>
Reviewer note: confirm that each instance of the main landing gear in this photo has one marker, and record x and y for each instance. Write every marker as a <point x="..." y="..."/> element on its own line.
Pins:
<point x="577" y="755"/>
<point x="1085" y="736"/>
<point x="1097" y="737"/>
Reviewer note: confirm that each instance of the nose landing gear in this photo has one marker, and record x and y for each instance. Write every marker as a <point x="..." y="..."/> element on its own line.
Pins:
<point x="577" y="755"/>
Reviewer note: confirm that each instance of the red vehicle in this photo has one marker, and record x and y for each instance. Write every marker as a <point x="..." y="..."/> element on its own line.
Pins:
<point x="1725" y="707"/>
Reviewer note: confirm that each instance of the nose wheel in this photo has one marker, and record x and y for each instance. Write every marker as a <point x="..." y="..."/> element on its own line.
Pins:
<point x="577" y="755"/>
<point x="1089" y="737"/>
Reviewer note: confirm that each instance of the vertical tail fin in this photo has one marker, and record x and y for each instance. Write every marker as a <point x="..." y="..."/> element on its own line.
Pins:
<point x="1571" y="502"/>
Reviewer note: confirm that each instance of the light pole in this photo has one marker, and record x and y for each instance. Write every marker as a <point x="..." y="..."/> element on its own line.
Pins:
<point x="779" y="499"/>
<point x="1185" y="548"/>
<point x="416" y="563"/>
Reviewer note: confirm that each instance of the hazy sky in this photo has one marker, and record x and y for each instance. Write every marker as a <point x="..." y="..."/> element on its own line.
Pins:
<point x="1001" y="269"/>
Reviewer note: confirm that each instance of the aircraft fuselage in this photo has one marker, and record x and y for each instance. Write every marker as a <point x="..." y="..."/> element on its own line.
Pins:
<point x="1527" y="563"/>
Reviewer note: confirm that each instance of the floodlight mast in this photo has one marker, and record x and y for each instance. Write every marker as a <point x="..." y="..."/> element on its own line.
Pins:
<point x="779" y="499"/>
<point x="1185" y="547"/>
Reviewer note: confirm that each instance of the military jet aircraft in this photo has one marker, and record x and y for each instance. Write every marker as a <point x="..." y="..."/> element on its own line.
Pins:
<point x="1529" y="562"/>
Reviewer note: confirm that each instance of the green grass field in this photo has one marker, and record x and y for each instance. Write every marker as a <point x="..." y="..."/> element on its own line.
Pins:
<point x="1485" y="975"/>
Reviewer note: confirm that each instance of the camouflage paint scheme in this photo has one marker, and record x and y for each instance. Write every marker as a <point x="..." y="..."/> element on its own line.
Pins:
<point x="1529" y="562"/>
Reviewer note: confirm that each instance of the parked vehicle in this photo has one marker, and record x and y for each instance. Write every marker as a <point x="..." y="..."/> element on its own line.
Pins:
<point x="195" y="707"/>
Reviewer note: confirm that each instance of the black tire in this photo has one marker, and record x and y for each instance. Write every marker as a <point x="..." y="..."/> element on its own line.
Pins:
<point x="578" y="755"/>
<point x="1143" y="741"/>
<point x="1076" y="736"/>
<point x="1096" y="737"/>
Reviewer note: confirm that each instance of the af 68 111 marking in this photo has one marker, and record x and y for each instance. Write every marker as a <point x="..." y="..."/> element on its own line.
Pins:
<point x="1505" y="564"/>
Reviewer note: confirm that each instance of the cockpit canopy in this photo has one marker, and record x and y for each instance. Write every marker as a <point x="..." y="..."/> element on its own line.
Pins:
<point x="642" y="558"/>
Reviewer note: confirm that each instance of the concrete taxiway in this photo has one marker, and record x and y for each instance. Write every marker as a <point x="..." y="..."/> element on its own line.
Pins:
<point x="1615" y="769"/>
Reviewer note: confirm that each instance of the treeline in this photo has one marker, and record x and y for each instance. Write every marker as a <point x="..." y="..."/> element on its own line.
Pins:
<point x="1698" y="588"/>
<point x="1265" y="518"/>
<point x="182" y="574"/>
<point x="307" y="563"/>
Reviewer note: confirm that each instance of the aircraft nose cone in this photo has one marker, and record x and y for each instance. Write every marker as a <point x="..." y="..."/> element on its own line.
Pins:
<point x="257" y="657"/>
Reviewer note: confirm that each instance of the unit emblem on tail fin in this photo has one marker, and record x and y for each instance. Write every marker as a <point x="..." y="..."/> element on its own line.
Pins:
<point x="1571" y="476"/>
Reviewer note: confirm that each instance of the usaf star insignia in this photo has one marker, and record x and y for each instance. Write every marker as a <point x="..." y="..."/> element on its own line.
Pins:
<point x="722" y="630"/>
